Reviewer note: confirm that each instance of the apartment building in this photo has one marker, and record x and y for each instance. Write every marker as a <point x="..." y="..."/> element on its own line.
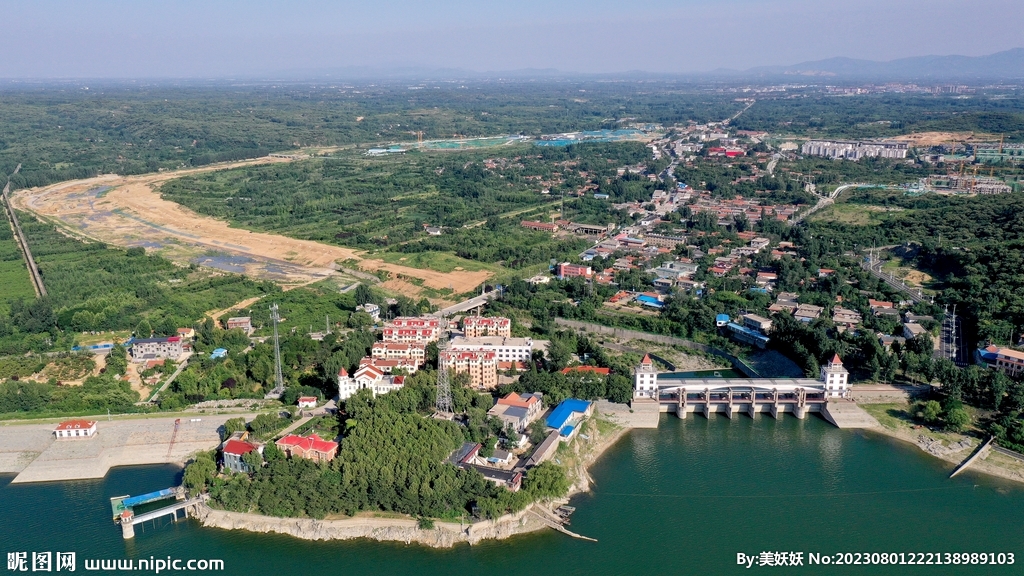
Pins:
<point x="479" y="326"/>
<point x="410" y="330"/>
<point x="505" y="349"/>
<point x="144" y="349"/>
<point x="412" y="353"/>
<point x="481" y="365"/>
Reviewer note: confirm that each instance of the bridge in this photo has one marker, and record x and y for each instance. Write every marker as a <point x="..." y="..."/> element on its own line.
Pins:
<point x="731" y="396"/>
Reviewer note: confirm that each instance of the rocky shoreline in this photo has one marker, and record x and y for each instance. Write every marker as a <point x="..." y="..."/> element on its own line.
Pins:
<point x="405" y="530"/>
<point x="537" y="516"/>
<point x="955" y="453"/>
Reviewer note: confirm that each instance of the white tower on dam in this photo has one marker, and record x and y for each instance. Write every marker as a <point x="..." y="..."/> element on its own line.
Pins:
<point x="835" y="378"/>
<point x="645" y="379"/>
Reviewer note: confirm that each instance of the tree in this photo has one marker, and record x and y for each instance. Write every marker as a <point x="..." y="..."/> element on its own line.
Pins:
<point x="930" y="411"/>
<point x="199" y="472"/>
<point x="117" y="360"/>
<point x="957" y="419"/>
<point x="231" y="426"/>
<point x="359" y="320"/>
<point x="253" y="459"/>
<point x="143" y="329"/>
<point x="364" y="295"/>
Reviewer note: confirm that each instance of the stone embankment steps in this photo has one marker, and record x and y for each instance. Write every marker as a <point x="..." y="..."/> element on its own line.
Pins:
<point x="847" y="414"/>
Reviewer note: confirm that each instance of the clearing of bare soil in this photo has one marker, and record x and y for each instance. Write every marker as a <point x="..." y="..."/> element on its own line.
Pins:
<point x="128" y="211"/>
<point x="937" y="138"/>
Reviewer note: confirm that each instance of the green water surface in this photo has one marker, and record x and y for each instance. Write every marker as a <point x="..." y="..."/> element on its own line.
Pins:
<point x="683" y="499"/>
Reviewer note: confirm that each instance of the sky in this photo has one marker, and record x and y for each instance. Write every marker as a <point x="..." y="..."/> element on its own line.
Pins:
<point x="258" y="38"/>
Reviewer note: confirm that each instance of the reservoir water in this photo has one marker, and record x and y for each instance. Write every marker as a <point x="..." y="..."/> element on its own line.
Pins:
<point x="683" y="499"/>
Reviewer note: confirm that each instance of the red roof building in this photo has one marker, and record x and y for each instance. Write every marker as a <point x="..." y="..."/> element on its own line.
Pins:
<point x="75" y="429"/>
<point x="238" y="447"/>
<point x="477" y="326"/>
<point x="311" y="447"/>
<point x="587" y="369"/>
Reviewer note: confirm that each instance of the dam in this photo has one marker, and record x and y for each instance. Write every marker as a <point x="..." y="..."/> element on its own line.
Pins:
<point x="829" y="395"/>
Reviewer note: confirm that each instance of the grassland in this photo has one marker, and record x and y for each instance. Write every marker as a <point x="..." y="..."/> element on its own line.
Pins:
<point x="438" y="261"/>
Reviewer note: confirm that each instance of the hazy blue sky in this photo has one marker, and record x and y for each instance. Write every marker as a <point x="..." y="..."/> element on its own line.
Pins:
<point x="223" y="38"/>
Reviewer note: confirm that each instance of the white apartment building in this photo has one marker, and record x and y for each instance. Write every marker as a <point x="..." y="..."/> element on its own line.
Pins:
<point x="505" y="349"/>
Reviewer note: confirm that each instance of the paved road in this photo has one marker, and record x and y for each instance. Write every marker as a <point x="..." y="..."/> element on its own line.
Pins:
<point x="825" y="201"/>
<point x="181" y="366"/>
<point x="874" y="266"/>
<point x="466" y="305"/>
<point x="951" y="340"/>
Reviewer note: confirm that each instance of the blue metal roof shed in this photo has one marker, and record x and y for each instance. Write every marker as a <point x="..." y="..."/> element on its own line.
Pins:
<point x="564" y="411"/>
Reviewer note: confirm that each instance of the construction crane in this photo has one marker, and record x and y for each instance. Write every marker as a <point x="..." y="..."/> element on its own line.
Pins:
<point x="174" y="436"/>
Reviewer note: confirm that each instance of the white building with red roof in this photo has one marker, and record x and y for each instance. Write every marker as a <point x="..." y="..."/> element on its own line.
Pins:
<point x="310" y="447"/>
<point x="481" y="365"/>
<point x="410" y="330"/>
<point x="645" y="379"/>
<point x="75" y="429"/>
<point x="476" y="326"/>
<point x="388" y="366"/>
<point x="307" y="402"/>
<point x="835" y="378"/>
<point x="413" y="353"/>
<point x="367" y="377"/>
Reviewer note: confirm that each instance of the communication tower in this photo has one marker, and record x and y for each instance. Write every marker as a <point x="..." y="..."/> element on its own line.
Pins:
<point x="278" y="390"/>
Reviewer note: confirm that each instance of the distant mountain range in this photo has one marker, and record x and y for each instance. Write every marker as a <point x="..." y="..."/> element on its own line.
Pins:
<point x="1008" y="64"/>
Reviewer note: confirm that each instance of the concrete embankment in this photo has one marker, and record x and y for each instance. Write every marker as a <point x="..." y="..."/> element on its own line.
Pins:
<point x="846" y="414"/>
<point x="442" y="535"/>
<point x="31" y="451"/>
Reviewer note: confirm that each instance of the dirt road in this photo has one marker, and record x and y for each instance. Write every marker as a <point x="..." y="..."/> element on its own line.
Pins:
<point x="128" y="211"/>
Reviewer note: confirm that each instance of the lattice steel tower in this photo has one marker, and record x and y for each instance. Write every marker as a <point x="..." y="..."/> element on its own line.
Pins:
<point x="278" y="390"/>
<point x="443" y="403"/>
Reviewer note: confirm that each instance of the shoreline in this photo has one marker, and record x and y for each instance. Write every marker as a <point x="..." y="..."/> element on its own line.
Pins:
<point x="981" y="466"/>
<point x="535" y="517"/>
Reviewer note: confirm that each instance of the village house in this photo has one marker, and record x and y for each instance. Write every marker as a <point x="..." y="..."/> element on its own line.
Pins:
<point x="310" y="447"/>
<point x="845" y="317"/>
<point x="518" y="409"/>
<point x="807" y="312"/>
<point x="243" y="323"/>
<point x="144" y="349"/>
<point x="468" y="456"/>
<point x="307" y="402"/>
<point x="234" y="448"/>
<point x="567" y="416"/>
<point x="370" y="308"/>
<point x="75" y="429"/>
<point x="911" y="330"/>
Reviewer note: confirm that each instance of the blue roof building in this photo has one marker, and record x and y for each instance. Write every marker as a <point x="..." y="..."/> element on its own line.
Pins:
<point x="219" y="353"/>
<point x="722" y="320"/>
<point x="567" y="415"/>
<point x="650" y="301"/>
